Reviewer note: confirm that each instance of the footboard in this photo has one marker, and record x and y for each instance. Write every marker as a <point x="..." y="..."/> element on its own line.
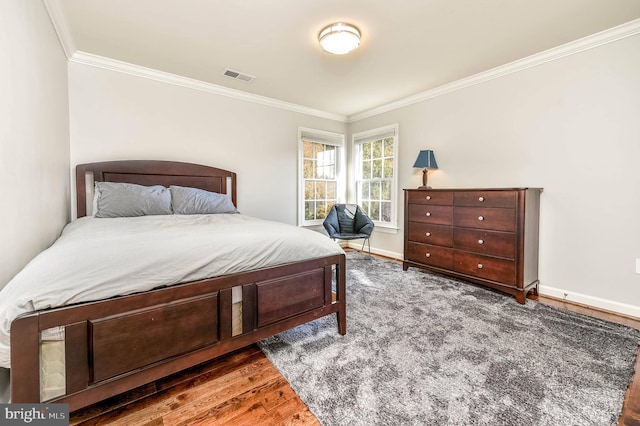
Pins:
<point x="105" y="348"/>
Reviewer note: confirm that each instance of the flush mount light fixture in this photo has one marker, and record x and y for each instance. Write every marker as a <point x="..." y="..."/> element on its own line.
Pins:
<point x="339" y="38"/>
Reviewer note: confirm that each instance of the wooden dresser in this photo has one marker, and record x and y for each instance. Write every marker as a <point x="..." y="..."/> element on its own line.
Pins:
<point x="486" y="236"/>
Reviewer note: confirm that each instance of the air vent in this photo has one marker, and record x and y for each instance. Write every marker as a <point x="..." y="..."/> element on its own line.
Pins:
<point x="238" y="75"/>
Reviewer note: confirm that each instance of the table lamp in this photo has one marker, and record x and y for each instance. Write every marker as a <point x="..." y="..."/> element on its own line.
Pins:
<point x="426" y="161"/>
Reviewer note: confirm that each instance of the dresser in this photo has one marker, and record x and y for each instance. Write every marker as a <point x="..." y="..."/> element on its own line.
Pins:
<point x="486" y="236"/>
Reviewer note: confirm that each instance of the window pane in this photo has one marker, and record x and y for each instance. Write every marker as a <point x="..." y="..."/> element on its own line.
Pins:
<point x="366" y="169"/>
<point x="386" y="212"/>
<point x="377" y="148"/>
<point x="318" y="176"/>
<point x="308" y="190"/>
<point x="317" y="147"/>
<point x="366" y="150"/>
<point x="332" y="190"/>
<point x="386" y="190"/>
<point x="375" y="210"/>
<point x="308" y="169"/>
<point x="377" y="169"/>
<point x="388" y="147"/>
<point x="375" y="173"/>
<point x="365" y="190"/>
<point x="321" y="190"/>
<point x="375" y="190"/>
<point x="326" y="162"/>
<point x="321" y="209"/>
<point x="365" y="208"/>
<point x="388" y="167"/>
<point x="307" y="149"/>
<point x="309" y="210"/>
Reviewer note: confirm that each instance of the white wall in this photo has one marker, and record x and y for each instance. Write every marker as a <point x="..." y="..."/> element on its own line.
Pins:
<point x="118" y="116"/>
<point x="34" y="134"/>
<point x="34" y="138"/>
<point x="572" y="127"/>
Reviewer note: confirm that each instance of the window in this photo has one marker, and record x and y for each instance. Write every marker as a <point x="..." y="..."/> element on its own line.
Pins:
<point x="321" y="177"/>
<point x="375" y="170"/>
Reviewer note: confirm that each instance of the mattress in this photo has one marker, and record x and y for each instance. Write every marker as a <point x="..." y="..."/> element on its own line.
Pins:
<point x="98" y="258"/>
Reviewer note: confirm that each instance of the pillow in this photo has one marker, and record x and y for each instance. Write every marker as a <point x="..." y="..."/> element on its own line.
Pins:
<point x="186" y="200"/>
<point x="127" y="199"/>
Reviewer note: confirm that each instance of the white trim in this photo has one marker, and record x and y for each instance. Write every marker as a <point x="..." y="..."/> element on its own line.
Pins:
<point x="368" y="136"/>
<point x="374" y="134"/>
<point x="596" y="302"/>
<point x="629" y="29"/>
<point x="321" y="136"/>
<point x="386" y="229"/>
<point x="385" y="253"/>
<point x="190" y="83"/>
<point x="61" y="27"/>
<point x="332" y="138"/>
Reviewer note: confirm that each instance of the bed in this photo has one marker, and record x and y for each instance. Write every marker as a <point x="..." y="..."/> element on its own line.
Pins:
<point x="87" y="351"/>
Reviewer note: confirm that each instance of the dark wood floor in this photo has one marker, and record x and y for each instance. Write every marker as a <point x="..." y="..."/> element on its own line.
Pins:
<point x="244" y="388"/>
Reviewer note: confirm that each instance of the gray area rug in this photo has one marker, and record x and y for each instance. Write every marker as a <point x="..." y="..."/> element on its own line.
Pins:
<point x="422" y="349"/>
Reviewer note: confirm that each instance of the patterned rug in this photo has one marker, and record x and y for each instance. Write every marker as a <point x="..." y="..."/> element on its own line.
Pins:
<point x="422" y="349"/>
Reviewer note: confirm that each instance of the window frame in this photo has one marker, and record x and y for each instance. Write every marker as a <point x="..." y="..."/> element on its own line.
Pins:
<point x="326" y="138"/>
<point x="357" y="140"/>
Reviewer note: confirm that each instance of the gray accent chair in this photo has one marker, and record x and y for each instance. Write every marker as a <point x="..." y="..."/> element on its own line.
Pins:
<point x="348" y="222"/>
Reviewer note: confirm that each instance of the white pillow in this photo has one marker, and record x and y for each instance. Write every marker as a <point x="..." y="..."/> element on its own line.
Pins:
<point x="128" y="199"/>
<point x="185" y="200"/>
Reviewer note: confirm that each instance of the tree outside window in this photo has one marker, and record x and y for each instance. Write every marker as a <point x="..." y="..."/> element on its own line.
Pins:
<point x="321" y="163"/>
<point x="375" y="174"/>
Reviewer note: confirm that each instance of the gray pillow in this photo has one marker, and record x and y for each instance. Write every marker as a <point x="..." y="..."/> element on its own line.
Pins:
<point x="128" y="199"/>
<point x="186" y="200"/>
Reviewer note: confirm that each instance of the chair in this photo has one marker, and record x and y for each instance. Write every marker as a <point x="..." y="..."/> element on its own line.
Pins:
<point x="348" y="222"/>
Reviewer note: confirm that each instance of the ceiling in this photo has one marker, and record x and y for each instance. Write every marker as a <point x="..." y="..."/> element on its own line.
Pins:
<point x="407" y="46"/>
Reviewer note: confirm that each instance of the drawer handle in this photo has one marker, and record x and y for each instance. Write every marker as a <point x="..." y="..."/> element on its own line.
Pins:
<point x="428" y="234"/>
<point x="428" y="214"/>
<point x="480" y="241"/>
<point x="479" y="265"/>
<point x="481" y="199"/>
<point x="480" y="217"/>
<point x="428" y="197"/>
<point x="428" y="254"/>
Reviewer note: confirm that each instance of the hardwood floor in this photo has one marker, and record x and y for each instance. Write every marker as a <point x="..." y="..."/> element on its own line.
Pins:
<point x="244" y="388"/>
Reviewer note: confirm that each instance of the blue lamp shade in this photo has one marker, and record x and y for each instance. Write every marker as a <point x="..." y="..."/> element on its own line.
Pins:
<point x="426" y="160"/>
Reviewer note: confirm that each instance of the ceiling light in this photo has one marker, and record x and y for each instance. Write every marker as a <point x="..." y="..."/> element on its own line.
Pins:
<point x="339" y="38"/>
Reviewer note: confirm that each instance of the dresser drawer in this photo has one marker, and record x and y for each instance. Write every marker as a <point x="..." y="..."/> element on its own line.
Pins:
<point x="490" y="268"/>
<point x="429" y="197"/>
<point x="440" y="257"/>
<point x="427" y="233"/>
<point x="439" y="215"/>
<point x="486" y="199"/>
<point x="501" y="244"/>
<point x="485" y="218"/>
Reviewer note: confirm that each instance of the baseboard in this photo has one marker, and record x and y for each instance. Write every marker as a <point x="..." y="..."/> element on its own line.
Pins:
<point x="591" y="301"/>
<point x="568" y="296"/>
<point x="385" y="253"/>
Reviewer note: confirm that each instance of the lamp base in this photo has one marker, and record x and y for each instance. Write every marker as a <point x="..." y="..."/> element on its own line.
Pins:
<point x="424" y="187"/>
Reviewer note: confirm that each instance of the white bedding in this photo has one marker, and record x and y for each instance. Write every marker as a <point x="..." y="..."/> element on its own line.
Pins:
<point x="97" y="258"/>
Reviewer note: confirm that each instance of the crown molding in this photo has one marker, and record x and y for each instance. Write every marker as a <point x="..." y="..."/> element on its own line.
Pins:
<point x="619" y="32"/>
<point x="61" y="27"/>
<point x="165" y="77"/>
<point x="66" y="40"/>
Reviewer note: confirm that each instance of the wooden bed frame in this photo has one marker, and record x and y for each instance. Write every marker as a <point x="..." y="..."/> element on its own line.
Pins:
<point x="118" y="344"/>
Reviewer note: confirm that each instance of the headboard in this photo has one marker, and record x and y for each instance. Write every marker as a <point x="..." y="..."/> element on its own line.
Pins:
<point x="152" y="172"/>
